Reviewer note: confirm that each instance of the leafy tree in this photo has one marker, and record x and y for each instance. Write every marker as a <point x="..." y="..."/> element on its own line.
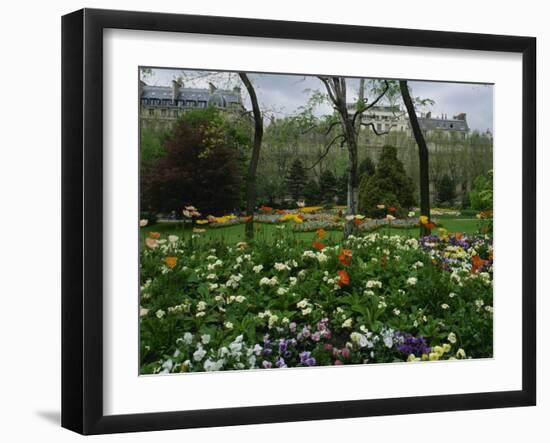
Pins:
<point x="389" y="186"/>
<point x="328" y="186"/>
<point x="202" y="166"/>
<point x="296" y="179"/>
<point x="446" y="190"/>
<point x="151" y="145"/>
<point x="481" y="197"/>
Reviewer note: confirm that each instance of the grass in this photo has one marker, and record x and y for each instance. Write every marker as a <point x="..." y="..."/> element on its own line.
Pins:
<point x="265" y="231"/>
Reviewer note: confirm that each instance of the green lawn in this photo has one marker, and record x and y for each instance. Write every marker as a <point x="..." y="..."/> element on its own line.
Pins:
<point x="265" y="231"/>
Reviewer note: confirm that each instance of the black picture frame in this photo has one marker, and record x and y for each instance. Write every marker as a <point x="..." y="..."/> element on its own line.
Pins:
<point x="82" y="218"/>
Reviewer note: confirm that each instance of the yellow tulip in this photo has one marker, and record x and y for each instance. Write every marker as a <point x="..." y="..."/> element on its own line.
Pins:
<point x="423" y="219"/>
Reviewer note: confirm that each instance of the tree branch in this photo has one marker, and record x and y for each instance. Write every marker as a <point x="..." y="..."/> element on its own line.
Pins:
<point x="374" y="128"/>
<point x="327" y="149"/>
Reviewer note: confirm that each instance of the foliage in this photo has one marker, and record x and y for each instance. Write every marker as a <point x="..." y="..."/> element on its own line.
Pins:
<point x="328" y="187"/>
<point x="203" y="163"/>
<point x="296" y="180"/>
<point x="208" y="305"/>
<point x="446" y="190"/>
<point x="388" y="186"/>
<point x="481" y="197"/>
<point x="151" y="145"/>
<point x="312" y="192"/>
<point x="367" y="167"/>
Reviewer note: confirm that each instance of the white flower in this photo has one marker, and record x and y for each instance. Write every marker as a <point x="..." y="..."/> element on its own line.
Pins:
<point x="281" y="267"/>
<point x="199" y="354"/>
<point x="160" y="313"/>
<point x="143" y="222"/>
<point x="444" y="306"/>
<point x="201" y="306"/>
<point x="282" y="291"/>
<point x="187" y="338"/>
<point x="396" y="311"/>
<point x="228" y="325"/>
<point x="479" y="303"/>
<point x="293" y="281"/>
<point x="347" y="323"/>
<point x="210" y="365"/>
<point x="451" y="337"/>
<point x="205" y="338"/>
<point x="302" y="303"/>
<point x="359" y="339"/>
<point x="374" y="284"/>
<point x="211" y="277"/>
<point x="452" y="295"/>
<point x="240" y="298"/>
<point x="268" y="281"/>
<point x="306" y="311"/>
<point x="173" y="238"/>
<point x="411" y="214"/>
<point x="257" y="269"/>
<point x="390" y="217"/>
<point x="214" y="286"/>
<point x="411" y="281"/>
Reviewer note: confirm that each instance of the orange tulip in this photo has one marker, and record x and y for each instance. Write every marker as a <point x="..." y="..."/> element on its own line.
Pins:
<point x="321" y="233"/>
<point x="154" y="234"/>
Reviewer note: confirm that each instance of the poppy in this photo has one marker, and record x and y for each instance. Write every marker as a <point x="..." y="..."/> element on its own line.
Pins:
<point x="477" y="263"/>
<point x="345" y="257"/>
<point x="171" y="262"/>
<point x="391" y="209"/>
<point x="318" y="245"/>
<point x="343" y="278"/>
<point x="154" y="234"/>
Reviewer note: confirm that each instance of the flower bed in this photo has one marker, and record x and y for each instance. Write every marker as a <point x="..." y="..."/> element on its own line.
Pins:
<point x="375" y="298"/>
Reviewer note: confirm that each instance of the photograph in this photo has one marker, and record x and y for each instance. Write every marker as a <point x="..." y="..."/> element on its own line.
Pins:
<point x="296" y="221"/>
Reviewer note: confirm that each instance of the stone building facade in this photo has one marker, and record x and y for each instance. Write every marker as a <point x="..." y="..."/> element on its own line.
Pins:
<point x="160" y="106"/>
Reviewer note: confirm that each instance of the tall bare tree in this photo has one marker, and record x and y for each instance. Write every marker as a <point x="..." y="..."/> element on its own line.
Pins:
<point x="423" y="157"/>
<point x="255" y="157"/>
<point x="349" y="123"/>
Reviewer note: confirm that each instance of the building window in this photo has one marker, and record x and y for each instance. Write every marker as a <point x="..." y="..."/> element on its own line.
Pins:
<point x="191" y="103"/>
<point x="175" y="114"/>
<point x="378" y="126"/>
<point x="201" y="104"/>
<point x="163" y="112"/>
<point x="151" y="112"/>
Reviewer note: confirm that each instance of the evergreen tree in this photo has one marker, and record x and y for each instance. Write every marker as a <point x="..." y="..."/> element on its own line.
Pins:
<point x="328" y="186"/>
<point x="446" y="190"/>
<point x="389" y="186"/>
<point x="311" y="193"/>
<point x="367" y="167"/>
<point x="296" y="179"/>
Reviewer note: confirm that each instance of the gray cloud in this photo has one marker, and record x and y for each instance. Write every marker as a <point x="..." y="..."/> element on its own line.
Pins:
<point x="284" y="94"/>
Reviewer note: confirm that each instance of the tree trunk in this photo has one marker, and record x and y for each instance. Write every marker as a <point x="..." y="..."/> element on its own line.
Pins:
<point x="255" y="157"/>
<point x="422" y="156"/>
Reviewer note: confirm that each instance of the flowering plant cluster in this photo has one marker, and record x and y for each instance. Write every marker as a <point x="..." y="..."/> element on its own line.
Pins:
<point x="206" y="305"/>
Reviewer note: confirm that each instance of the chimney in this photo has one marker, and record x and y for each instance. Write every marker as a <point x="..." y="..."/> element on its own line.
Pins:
<point x="429" y="114"/>
<point x="461" y="116"/>
<point x="176" y="85"/>
<point x="211" y="87"/>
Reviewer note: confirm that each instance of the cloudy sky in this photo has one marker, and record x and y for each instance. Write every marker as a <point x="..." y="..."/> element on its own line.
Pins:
<point x="285" y="94"/>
